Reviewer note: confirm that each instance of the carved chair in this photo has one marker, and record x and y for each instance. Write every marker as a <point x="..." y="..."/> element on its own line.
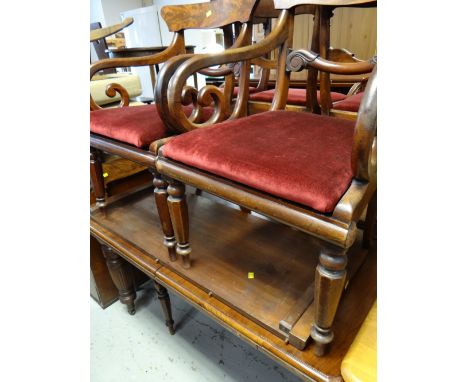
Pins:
<point x="313" y="172"/>
<point x="128" y="132"/>
<point x="310" y="98"/>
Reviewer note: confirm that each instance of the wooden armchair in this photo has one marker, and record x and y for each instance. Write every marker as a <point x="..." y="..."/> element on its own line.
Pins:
<point x="129" y="131"/>
<point x="311" y="97"/>
<point x="313" y="172"/>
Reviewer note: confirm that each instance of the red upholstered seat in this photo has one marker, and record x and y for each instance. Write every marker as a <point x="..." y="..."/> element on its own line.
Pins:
<point x="301" y="157"/>
<point x="251" y="90"/>
<point x="295" y="96"/>
<point x="136" y="125"/>
<point x="351" y="103"/>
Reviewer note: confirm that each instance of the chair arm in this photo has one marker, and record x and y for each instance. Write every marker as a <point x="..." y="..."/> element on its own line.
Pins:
<point x="300" y="59"/>
<point x="176" y="47"/>
<point x="364" y="154"/>
<point x="171" y="90"/>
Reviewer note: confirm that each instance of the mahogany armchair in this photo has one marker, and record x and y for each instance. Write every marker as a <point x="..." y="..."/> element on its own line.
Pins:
<point x="313" y="172"/>
<point x="128" y="132"/>
<point x="310" y="98"/>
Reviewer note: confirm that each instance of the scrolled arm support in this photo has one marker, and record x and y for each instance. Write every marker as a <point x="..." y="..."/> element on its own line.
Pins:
<point x="300" y="59"/>
<point x="175" y="73"/>
<point x="113" y="89"/>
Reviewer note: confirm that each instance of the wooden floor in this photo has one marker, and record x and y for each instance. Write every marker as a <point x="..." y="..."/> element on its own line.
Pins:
<point x="227" y="245"/>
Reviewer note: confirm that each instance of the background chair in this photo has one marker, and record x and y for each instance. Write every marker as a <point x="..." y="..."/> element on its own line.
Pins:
<point x="313" y="172"/>
<point x="105" y="77"/>
<point x="310" y="97"/>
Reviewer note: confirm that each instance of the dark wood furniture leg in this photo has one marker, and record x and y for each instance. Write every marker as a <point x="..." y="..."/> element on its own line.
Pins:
<point x="122" y="277"/>
<point x="165" y="301"/>
<point x="179" y="216"/>
<point x="330" y="276"/>
<point x="369" y="225"/>
<point x="160" y="197"/>
<point x="97" y="179"/>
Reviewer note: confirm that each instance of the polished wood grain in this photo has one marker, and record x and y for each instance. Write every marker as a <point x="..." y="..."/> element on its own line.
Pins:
<point x="212" y="225"/>
<point x="356" y="299"/>
<point x="169" y="97"/>
<point x="213" y="14"/>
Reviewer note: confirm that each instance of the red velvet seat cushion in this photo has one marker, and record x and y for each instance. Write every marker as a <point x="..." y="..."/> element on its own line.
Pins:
<point x="295" y="96"/>
<point x="351" y="103"/>
<point x="301" y="157"/>
<point x="236" y="90"/>
<point x="135" y="125"/>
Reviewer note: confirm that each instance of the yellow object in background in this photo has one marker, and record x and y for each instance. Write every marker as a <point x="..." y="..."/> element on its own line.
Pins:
<point x="360" y="363"/>
<point x="250" y="275"/>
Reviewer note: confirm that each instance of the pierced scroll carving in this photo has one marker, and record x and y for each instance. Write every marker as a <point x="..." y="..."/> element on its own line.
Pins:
<point x="207" y="96"/>
<point x="298" y="60"/>
<point x="113" y="89"/>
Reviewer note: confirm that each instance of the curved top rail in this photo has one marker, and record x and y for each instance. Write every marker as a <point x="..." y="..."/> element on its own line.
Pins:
<point x="98" y="34"/>
<point x="214" y="14"/>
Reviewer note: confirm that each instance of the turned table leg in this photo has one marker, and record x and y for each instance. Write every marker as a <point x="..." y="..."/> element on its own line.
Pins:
<point x="165" y="301"/>
<point x="122" y="278"/>
<point x="160" y="196"/>
<point x="179" y="216"/>
<point x="330" y="278"/>
<point x="97" y="179"/>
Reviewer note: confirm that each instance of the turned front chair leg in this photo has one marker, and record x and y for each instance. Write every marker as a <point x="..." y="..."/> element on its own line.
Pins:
<point x="330" y="278"/>
<point x="179" y="216"/>
<point x="165" y="301"/>
<point x="122" y="277"/>
<point x="369" y="225"/>
<point x="160" y="196"/>
<point x="97" y="178"/>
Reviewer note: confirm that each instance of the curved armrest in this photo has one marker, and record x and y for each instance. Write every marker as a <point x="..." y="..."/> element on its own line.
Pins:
<point x="177" y="46"/>
<point x="170" y="89"/>
<point x="300" y="59"/>
<point x="100" y="33"/>
<point x="364" y="157"/>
